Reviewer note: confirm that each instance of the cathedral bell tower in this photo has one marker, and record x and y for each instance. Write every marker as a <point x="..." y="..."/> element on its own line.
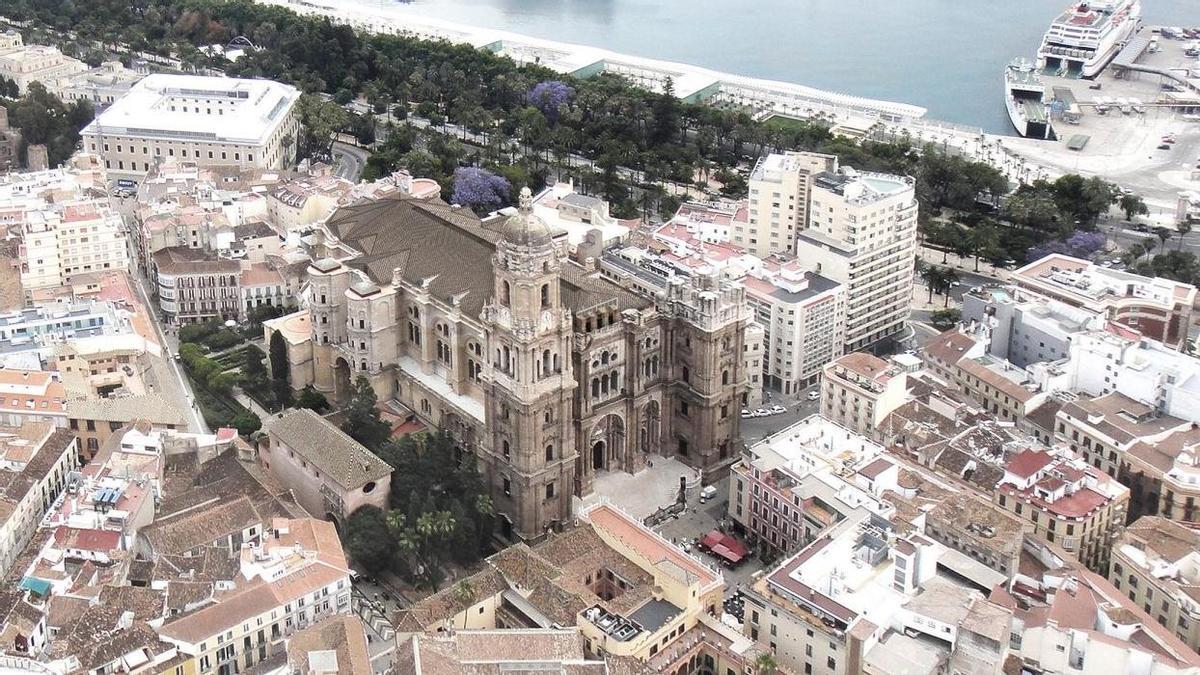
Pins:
<point x="531" y="462"/>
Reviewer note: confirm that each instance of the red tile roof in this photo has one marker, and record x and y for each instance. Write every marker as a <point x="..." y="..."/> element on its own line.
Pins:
<point x="1028" y="462"/>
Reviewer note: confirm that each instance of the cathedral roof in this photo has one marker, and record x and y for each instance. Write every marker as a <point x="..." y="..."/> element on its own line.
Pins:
<point x="430" y="241"/>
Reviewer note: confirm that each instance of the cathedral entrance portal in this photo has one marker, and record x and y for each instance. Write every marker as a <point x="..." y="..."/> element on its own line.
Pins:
<point x="608" y="444"/>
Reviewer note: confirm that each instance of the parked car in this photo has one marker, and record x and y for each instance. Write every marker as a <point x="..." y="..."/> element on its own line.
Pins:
<point x="777" y="410"/>
<point x="761" y="412"/>
<point x="813" y="395"/>
<point x="707" y="493"/>
<point x="746" y="414"/>
<point x="1164" y="146"/>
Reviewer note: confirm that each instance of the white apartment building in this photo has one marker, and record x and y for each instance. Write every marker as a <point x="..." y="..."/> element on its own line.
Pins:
<point x="295" y="577"/>
<point x="859" y="390"/>
<point x="780" y="191"/>
<point x="862" y="232"/>
<point x="1120" y="361"/>
<point x="63" y="240"/>
<point x="212" y="121"/>
<point x="25" y="64"/>
<point x="804" y="316"/>
<point x="102" y="86"/>
<point x="35" y="459"/>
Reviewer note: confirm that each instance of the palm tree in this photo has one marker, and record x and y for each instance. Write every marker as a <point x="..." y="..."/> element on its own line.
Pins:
<point x="948" y="281"/>
<point x="765" y="664"/>
<point x="1183" y="227"/>
<point x="463" y="594"/>
<point x="932" y="276"/>
<point x="1163" y="234"/>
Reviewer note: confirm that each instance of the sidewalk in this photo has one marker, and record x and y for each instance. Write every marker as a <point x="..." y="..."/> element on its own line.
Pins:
<point x="933" y="256"/>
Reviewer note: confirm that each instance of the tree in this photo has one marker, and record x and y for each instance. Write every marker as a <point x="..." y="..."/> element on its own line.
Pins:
<point x="312" y="399"/>
<point x="984" y="240"/>
<point x="464" y="594"/>
<point x="948" y="280"/>
<point x="245" y="422"/>
<point x="1084" y="198"/>
<point x="549" y="96"/>
<point x="363" y="423"/>
<point x="1164" y="235"/>
<point x="369" y="541"/>
<point x="278" y="357"/>
<point x="479" y="189"/>
<point x="765" y="663"/>
<point x="932" y="276"/>
<point x="1132" y="205"/>
<point x="1184" y="227"/>
<point x="945" y="319"/>
<point x="253" y="368"/>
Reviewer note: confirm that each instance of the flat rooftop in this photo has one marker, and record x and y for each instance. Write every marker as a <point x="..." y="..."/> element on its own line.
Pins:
<point x="196" y="108"/>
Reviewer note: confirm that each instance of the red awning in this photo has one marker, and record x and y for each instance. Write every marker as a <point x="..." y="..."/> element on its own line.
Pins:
<point x="736" y="547"/>
<point x="711" y="539"/>
<point x="721" y="551"/>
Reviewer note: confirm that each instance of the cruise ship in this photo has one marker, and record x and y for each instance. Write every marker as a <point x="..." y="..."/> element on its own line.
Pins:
<point x="1025" y="98"/>
<point x="1084" y="38"/>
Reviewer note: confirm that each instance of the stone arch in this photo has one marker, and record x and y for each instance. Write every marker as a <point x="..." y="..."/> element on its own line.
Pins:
<point x="342" y="384"/>
<point x="650" y="428"/>
<point x="606" y="444"/>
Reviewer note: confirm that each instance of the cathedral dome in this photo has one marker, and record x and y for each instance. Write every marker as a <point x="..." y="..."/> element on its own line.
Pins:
<point x="523" y="228"/>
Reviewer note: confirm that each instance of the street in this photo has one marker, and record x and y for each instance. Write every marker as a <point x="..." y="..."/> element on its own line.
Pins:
<point x="348" y="161"/>
<point x="171" y="347"/>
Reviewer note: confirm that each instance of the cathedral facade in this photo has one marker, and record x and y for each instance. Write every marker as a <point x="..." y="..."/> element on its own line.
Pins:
<point x="544" y="371"/>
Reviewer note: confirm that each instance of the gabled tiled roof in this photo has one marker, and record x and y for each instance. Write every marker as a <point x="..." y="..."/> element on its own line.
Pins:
<point x="330" y="449"/>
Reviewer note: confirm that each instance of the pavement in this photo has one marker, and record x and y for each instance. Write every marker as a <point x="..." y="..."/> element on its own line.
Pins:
<point x="699" y="520"/>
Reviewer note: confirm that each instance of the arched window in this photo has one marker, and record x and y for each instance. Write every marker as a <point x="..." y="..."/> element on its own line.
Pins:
<point x="504" y="293"/>
<point x="595" y="387"/>
<point x="550" y="453"/>
<point x="725" y="377"/>
<point x="686" y="375"/>
<point x="505" y="449"/>
<point x="546" y="363"/>
<point x="614" y="378"/>
<point x="545" y="295"/>
<point x="557" y="366"/>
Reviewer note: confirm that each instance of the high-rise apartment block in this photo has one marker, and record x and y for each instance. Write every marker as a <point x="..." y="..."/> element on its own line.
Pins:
<point x="862" y="232"/>
<point x="780" y="186"/>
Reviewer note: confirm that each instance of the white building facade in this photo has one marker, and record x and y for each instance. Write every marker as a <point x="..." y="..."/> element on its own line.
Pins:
<point x="212" y="121"/>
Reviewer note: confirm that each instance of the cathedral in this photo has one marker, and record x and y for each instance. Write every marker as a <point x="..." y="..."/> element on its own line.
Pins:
<point x="545" y="371"/>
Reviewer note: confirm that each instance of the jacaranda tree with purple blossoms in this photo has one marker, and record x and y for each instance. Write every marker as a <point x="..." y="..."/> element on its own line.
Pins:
<point x="550" y="96"/>
<point x="479" y="189"/>
<point x="1078" y="245"/>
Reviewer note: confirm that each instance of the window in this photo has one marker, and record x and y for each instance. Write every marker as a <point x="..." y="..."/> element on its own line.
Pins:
<point x="550" y="453"/>
<point x="507" y="487"/>
<point x="549" y="490"/>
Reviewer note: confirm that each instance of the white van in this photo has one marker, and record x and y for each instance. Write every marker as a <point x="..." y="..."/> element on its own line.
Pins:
<point x="707" y="493"/>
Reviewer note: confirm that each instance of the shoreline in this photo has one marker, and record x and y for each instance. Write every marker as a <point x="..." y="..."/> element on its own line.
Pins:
<point x="692" y="84"/>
